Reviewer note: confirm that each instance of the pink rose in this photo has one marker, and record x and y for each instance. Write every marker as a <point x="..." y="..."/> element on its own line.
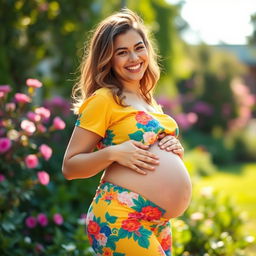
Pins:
<point x="22" y="98"/>
<point x="33" y="116"/>
<point x="43" y="112"/>
<point x="58" y="123"/>
<point x="5" y="145"/>
<point x="2" y="177"/>
<point x="30" y="222"/>
<point x="43" y="177"/>
<point x="46" y="151"/>
<point x="5" y="88"/>
<point x="41" y="128"/>
<point x="42" y="219"/>
<point x="33" y="83"/>
<point x="58" y="219"/>
<point x="28" y="126"/>
<point x="31" y="161"/>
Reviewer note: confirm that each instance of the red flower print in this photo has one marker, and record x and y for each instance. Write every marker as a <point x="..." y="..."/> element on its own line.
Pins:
<point x="143" y="118"/>
<point x="166" y="243"/>
<point x="131" y="225"/>
<point x="109" y="196"/>
<point x="136" y="215"/>
<point x="93" y="228"/>
<point x="107" y="252"/>
<point x="151" y="213"/>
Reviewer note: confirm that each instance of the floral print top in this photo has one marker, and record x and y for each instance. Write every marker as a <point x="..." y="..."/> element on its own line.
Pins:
<point x="116" y="124"/>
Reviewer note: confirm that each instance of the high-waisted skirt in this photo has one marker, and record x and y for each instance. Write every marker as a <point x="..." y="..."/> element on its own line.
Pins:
<point x="120" y="222"/>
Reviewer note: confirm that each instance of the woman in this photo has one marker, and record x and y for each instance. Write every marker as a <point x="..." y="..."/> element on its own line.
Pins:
<point x="145" y="182"/>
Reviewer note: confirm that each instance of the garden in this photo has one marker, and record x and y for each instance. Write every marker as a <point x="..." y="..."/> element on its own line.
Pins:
<point x="204" y="89"/>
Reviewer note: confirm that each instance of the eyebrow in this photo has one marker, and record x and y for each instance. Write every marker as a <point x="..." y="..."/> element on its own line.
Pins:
<point x="124" y="48"/>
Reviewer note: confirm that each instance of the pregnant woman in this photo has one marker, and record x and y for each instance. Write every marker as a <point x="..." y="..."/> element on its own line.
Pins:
<point x="145" y="182"/>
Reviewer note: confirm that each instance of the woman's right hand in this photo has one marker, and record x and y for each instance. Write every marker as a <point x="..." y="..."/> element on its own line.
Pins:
<point x="134" y="154"/>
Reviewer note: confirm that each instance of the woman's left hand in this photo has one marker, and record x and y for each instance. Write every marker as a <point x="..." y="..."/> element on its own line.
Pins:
<point x="170" y="143"/>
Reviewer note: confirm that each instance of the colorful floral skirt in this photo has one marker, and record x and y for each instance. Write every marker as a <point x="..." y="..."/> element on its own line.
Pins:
<point x="123" y="223"/>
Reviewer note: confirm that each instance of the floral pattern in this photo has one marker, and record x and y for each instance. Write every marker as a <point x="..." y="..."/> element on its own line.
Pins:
<point x="148" y="128"/>
<point x="107" y="140"/>
<point x="145" y="128"/>
<point x="143" y="220"/>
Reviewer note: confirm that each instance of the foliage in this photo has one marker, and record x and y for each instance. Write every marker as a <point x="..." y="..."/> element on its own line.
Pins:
<point x="199" y="162"/>
<point x="52" y="37"/>
<point x="28" y="223"/>
<point x="211" y="226"/>
<point x="42" y="38"/>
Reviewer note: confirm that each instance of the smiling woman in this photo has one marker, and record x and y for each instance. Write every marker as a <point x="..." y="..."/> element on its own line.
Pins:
<point x="130" y="59"/>
<point x="145" y="182"/>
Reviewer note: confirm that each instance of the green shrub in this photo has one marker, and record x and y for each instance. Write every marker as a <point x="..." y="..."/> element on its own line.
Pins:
<point x="210" y="227"/>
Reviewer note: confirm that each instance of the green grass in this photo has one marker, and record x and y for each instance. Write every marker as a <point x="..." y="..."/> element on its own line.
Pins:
<point x="238" y="182"/>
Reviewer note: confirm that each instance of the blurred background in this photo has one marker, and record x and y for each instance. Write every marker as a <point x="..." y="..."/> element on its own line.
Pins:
<point x="208" y="84"/>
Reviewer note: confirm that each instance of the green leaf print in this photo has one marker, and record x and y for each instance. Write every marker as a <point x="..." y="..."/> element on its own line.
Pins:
<point x="122" y="233"/>
<point x="109" y="218"/>
<point x="111" y="243"/>
<point x="139" y="203"/>
<point x="143" y="242"/>
<point x="118" y="254"/>
<point x="144" y="232"/>
<point x="130" y="234"/>
<point x="138" y="136"/>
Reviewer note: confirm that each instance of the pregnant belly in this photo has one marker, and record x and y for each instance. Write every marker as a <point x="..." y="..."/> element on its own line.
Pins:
<point x="168" y="186"/>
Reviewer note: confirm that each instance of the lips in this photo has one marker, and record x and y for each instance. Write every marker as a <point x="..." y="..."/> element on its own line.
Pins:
<point x="134" y="68"/>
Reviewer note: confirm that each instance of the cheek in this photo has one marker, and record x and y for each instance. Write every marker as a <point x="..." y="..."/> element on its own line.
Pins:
<point x="117" y="63"/>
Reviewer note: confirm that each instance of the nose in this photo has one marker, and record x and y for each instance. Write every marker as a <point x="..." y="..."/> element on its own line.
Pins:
<point x="134" y="56"/>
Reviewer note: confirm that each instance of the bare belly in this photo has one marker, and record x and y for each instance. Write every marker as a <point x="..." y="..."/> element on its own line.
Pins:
<point x="168" y="186"/>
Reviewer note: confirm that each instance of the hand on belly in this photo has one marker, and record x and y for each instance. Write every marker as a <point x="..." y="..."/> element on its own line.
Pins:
<point x="168" y="185"/>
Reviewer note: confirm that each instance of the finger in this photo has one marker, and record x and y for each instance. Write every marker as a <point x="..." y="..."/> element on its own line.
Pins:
<point x="140" y="144"/>
<point x="179" y="152"/>
<point x="174" y="147"/>
<point x="168" y="143"/>
<point x="166" y="139"/>
<point x="144" y="165"/>
<point x="137" y="169"/>
<point x="148" y="159"/>
<point x="149" y="154"/>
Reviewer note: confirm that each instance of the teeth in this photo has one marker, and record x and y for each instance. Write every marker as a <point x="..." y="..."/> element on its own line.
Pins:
<point x="134" y="67"/>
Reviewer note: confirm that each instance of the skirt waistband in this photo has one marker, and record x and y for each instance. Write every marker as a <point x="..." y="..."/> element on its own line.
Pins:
<point x="124" y="196"/>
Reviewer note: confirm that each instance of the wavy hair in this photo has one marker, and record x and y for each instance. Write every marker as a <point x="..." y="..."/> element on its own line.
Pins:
<point x="95" y="68"/>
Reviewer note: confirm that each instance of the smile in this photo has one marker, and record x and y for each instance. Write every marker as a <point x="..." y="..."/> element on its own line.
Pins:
<point x="134" y="68"/>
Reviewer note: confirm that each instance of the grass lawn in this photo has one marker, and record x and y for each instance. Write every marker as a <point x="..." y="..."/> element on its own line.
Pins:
<point x="239" y="182"/>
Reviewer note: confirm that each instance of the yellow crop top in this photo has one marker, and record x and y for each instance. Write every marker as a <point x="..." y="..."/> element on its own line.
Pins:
<point x="116" y="124"/>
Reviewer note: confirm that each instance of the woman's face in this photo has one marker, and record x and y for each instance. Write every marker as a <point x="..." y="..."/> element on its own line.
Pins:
<point x="130" y="58"/>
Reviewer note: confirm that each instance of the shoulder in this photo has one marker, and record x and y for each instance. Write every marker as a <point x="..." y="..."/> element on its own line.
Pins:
<point x="100" y="98"/>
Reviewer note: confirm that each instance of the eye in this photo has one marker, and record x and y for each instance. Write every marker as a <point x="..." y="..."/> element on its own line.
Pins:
<point x="140" y="47"/>
<point x="122" y="53"/>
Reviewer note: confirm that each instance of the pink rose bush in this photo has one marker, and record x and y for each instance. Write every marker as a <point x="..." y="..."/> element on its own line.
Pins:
<point x="26" y="132"/>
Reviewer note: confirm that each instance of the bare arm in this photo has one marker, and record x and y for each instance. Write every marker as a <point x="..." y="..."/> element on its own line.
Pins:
<point x="81" y="162"/>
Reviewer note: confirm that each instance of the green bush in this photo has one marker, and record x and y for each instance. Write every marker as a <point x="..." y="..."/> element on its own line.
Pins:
<point x="210" y="227"/>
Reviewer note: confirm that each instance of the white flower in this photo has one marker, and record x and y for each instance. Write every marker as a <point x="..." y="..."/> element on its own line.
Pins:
<point x="127" y="198"/>
<point x="27" y="240"/>
<point x="69" y="247"/>
<point x="196" y="216"/>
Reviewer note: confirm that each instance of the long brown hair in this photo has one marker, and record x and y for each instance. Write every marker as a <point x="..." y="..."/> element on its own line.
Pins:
<point x="95" y="68"/>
